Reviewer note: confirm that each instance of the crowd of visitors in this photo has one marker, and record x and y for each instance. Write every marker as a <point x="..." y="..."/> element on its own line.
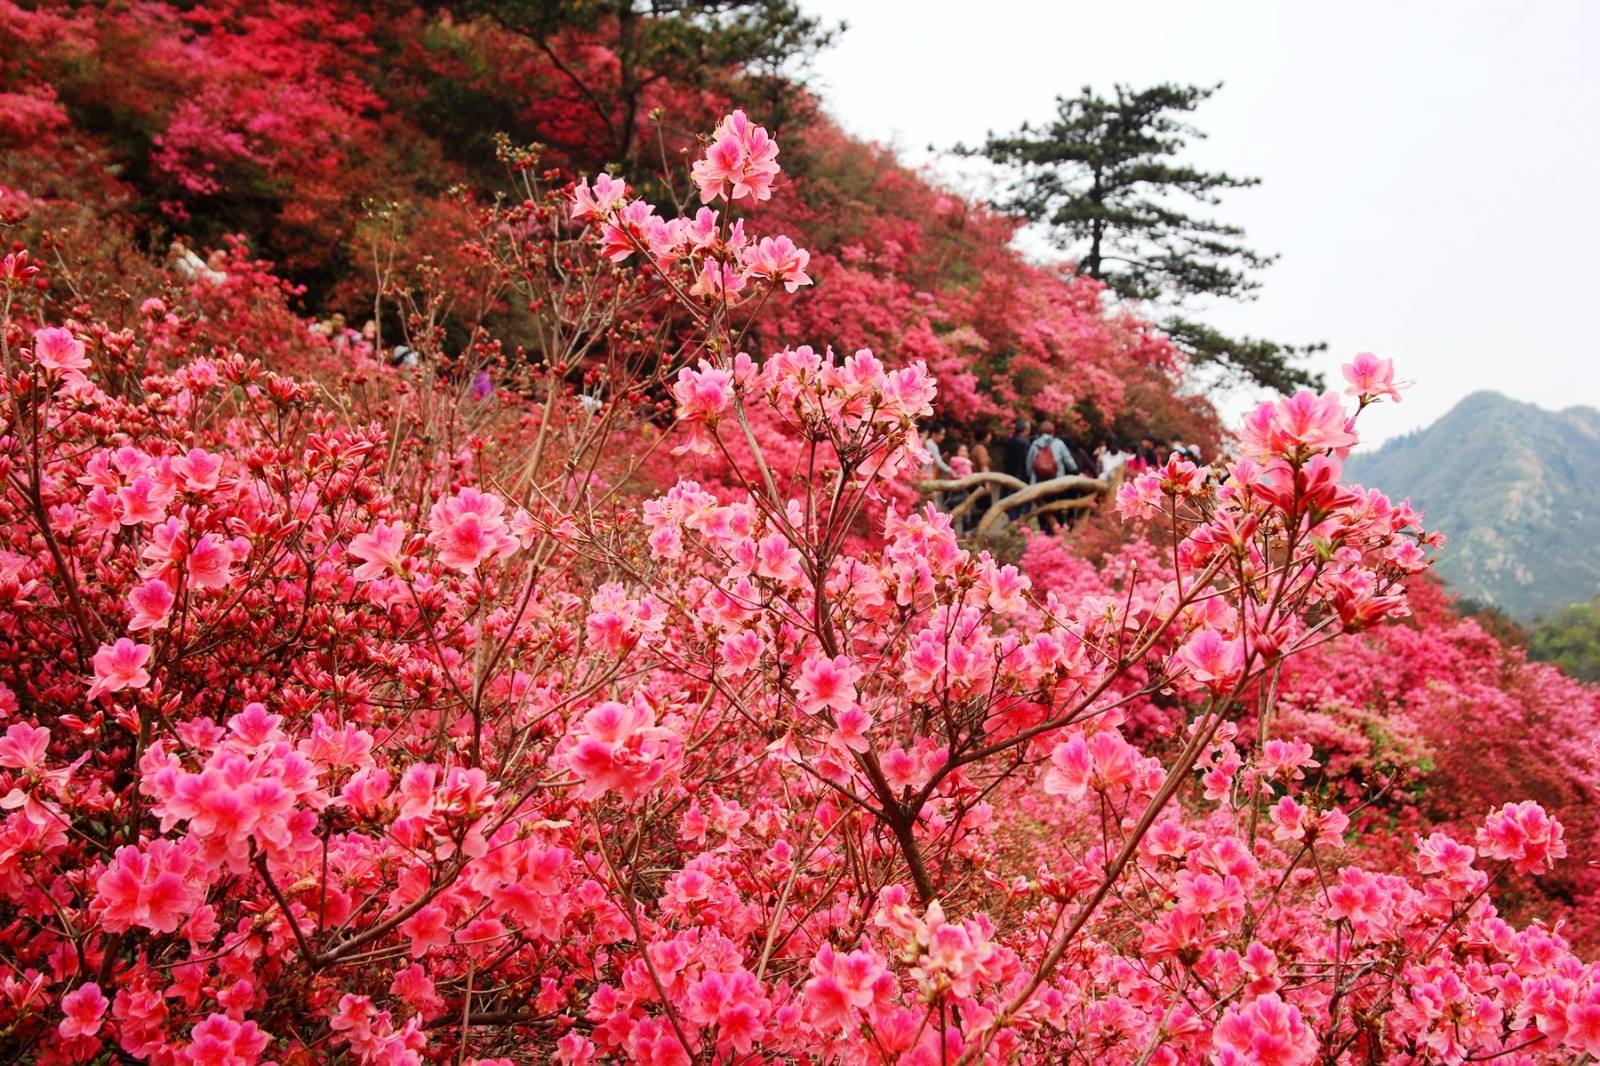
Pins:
<point x="1036" y="454"/>
<point x="365" y="340"/>
<point x="1029" y="454"/>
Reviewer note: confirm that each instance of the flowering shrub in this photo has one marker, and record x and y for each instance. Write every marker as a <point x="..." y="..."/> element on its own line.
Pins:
<point x="1435" y="722"/>
<point x="318" y="747"/>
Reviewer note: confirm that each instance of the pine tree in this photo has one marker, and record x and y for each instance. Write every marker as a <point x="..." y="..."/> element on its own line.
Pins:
<point x="1105" y="179"/>
<point x="766" y="43"/>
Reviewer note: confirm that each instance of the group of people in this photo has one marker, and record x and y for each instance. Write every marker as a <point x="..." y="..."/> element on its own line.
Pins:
<point x="191" y="268"/>
<point x="337" y="329"/>
<point x="1035" y="454"/>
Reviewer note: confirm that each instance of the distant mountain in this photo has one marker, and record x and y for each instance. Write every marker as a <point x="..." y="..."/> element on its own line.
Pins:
<point x="1517" y="490"/>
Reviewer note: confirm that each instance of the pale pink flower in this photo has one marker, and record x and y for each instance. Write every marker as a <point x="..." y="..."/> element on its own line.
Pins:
<point x="428" y="929"/>
<point x="593" y="203"/>
<point x="778" y="559"/>
<point x="1211" y="659"/>
<point x="1071" y="769"/>
<point x="209" y="561"/>
<point x="717" y="281"/>
<point x="222" y="1041"/>
<point x="143" y="501"/>
<point x="1370" y="378"/>
<point x="843" y="984"/>
<point x="1304" y="422"/>
<point x="776" y="259"/>
<point x="850" y="730"/>
<point x="1441" y="855"/>
<point x="740" y="161"/>
<point x="620" y="747"/>
<point x="703" y="395"/>
<point x="1003" y="588"/>
<point x="626" y="229"/>
<point x="1285" y="758"/>
<point x="24" y="746"/>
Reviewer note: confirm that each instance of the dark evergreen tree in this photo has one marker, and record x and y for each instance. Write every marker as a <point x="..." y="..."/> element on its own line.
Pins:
<point x="1105" y="179"/>
<point x="767" y="43"/>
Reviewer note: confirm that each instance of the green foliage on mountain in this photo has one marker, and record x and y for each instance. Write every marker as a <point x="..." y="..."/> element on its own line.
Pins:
<point x="1571" y="640"/>
<point x="1517" y="490"/>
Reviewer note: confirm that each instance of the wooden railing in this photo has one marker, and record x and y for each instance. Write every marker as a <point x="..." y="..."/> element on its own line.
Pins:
<point x="1006" y="493"/>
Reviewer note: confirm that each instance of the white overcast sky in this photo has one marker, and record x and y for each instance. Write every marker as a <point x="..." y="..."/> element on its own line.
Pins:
<point x="1430" y="170"/>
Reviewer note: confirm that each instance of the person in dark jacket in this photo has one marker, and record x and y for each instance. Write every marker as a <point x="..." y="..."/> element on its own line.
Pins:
<point x="1082" y="457"/>
<point x="1015" y="461"/>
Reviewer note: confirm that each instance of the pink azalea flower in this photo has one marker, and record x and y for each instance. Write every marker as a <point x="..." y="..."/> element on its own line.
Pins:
<point x="597" y="202"/>
<point x="24" y="746"/>
<point x="57" y="349"/>
<point x="222" y="1041"/>
<point x="1440" y="855"/>
<point x="120" y="666"/>
<point x="468" y="529"/>
<point x="1211" y="659"/>
<point x="1524" y="835"/>
<point x="1266" y="1032"/>
<point x="143" y="500"/>
<point x="381" y="551"/>
<point x="209" y="561"/>
<point x="626" y="229"/>
<point x="155" y="886"/>
<point x="718" y="281"/>
<point x="151" y="602"/>
<point x="827" y="684"/>
<point x="1304" y="422"/>
<point x="776" y="259"/>
<point x="199" y="469"/>
<point x="84" y="1008"/>
<point x="740" y="162"/>
<point x="1370" y="378"/>
<point x="620" y="747"/>
<point x="703" y="395"/>
<point x="851" y="730"/>
<point x="428" y="930"/>
<point x="1071" y="769"/>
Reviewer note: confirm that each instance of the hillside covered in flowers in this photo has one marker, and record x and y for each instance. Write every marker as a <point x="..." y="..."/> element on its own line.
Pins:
<point x="568" y="668"/>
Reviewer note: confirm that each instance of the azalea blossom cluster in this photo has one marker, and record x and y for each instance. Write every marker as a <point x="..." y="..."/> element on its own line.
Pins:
<point x="320" y="748"/>
<point x="723" y="265"/>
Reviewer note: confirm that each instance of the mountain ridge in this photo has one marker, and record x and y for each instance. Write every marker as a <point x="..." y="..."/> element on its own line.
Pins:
<point x="1514" y="486"/>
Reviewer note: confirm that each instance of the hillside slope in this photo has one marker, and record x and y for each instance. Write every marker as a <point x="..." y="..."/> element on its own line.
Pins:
<point x="1515" y="487"/>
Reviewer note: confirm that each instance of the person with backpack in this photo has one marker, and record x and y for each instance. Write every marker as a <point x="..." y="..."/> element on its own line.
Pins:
<point x="1048" y="458"/>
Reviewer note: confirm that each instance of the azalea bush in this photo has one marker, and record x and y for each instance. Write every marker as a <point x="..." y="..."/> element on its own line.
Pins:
<point x="332" y="738"/>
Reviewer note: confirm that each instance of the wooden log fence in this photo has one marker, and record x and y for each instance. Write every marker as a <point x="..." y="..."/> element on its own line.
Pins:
<point x="1006" y="493"/>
